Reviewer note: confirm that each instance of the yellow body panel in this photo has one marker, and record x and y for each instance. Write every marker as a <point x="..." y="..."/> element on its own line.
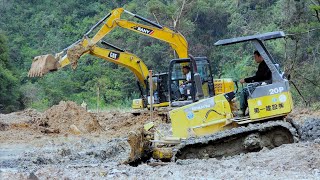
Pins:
<point x="222" y="86"/>
<point x="205" y="89"/>
<point x="213" y="114"/>
<point x="137" y="104"/>
<point x="162" y="153"/>
<point x="148" y="126"/>
<point x="164" y="104"/>
<point x="271" y="105"/>
<point x="201" y="118"/>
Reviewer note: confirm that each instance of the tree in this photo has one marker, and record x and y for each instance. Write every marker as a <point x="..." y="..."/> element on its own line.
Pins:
<point x="9" y="94"/>
<point x="316" y="8"/>
<point x="33" y="30"/>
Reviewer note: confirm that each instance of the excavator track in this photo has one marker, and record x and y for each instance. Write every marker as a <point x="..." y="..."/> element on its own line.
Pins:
<point x="243" y="139"/>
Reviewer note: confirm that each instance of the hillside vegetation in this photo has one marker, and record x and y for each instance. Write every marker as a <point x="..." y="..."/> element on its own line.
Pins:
<point x="32" y="28"/>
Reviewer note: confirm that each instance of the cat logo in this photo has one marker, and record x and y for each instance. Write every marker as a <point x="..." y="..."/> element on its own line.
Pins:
<point x="114" y="55"/>
<point x="143" y="30"/>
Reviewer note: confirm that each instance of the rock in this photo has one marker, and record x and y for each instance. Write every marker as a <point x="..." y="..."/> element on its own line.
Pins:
<point x="41" y="161"/>
<point x="103" y="174"/>
<point x="317" y="141"/>
<point x="50" y="131"/>
<point x="116" y="173"/>
<point x="252" y="142"/>
<point x="74" y="130"/>
<point x="103" y="155"/>
<point x="84" y="105"/>
<point x="64" y="152"/>
<point x="3" y="126"/>
<point x="32" y="176"/>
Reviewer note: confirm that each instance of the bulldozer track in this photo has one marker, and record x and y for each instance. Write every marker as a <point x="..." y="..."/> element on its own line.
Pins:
<point x="243" y="139"/>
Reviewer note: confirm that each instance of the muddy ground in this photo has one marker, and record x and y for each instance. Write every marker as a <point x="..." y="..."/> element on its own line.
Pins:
<point x="67" y="142"/>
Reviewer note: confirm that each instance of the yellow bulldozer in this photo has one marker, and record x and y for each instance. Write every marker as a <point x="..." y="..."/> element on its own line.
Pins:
<point x="210" y="128"/>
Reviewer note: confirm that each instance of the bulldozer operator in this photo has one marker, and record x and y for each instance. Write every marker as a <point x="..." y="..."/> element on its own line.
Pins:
<point x="263" y="74"/>
<point x="186" y="84"/>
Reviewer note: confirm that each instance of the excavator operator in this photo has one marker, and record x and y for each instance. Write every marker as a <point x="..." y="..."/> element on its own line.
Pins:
<point x="263" y="74"/>
<point x="186" y="84"/>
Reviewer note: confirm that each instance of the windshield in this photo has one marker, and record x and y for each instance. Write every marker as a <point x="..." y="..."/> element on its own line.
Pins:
<point x="177" y="72"/>
<point x="203" y="69"/>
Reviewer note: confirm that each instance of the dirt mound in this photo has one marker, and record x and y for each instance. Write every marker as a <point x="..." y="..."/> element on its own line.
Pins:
<point x="68" y="117"/>
<point x="19" y="120"/>
<point x="119" y="124"/>
<point x="25" y="116"/>
<point x="301" y="114"/>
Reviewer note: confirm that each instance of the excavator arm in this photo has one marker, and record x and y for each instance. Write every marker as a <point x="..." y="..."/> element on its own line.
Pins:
<point x="46" y="63"/>
<point x="126" y="59"/>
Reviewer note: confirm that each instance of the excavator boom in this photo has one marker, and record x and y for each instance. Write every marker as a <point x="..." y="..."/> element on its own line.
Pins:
<point x="46" y="63"/>
<point x="176" y="40"/>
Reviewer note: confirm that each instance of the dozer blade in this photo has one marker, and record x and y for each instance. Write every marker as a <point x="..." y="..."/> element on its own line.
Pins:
<point x="41" y="65"/>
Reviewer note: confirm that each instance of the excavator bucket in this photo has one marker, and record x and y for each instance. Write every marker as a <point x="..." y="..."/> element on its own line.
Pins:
<point x="41" y="65"/>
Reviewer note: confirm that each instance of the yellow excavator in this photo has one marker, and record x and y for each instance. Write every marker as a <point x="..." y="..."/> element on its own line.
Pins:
<point x="44" y="64"/>
<point x="168" y="92"/>
<point x="210" y="127"/>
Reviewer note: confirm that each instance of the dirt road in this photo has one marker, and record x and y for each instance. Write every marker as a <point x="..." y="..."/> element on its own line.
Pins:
<point x="66" y="142"/>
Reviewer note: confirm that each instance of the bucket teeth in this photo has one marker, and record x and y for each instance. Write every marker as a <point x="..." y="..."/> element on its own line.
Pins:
<point x="41" y="65"/>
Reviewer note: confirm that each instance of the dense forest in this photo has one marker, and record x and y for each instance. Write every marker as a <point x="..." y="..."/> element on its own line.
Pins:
<point x="32" y="28"/>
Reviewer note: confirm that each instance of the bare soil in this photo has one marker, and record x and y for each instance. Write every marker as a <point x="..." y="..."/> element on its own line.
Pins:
<point x="67" y="142"/>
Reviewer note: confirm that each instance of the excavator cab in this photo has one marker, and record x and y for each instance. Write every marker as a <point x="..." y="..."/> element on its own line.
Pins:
<point x="160" y="96"/>
<point x="160" y="90"/>
<point x="201" y="85"/>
